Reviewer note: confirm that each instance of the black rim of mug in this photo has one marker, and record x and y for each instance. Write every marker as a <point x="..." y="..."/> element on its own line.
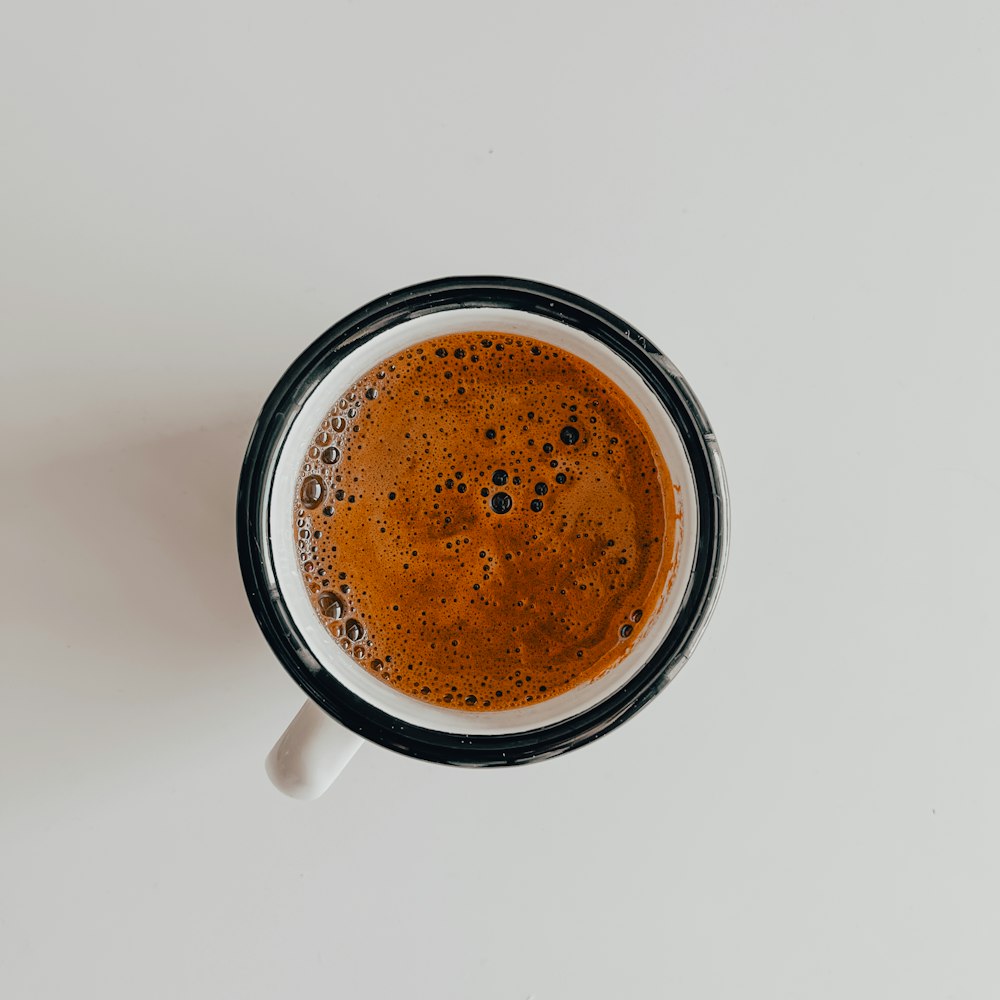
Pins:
<point x="253" y="499"/>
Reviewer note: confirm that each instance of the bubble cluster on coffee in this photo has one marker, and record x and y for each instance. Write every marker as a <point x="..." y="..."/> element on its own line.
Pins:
<point x="484" y="522"/>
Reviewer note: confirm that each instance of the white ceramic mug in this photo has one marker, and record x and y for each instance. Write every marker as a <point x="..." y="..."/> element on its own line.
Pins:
<point x="347" y="704"/>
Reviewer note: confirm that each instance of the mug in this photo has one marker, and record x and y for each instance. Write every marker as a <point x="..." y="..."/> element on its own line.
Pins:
<point x="345" y="703"/>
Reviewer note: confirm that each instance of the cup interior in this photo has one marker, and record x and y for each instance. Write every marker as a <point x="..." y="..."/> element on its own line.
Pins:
<point x="282" y="500"/>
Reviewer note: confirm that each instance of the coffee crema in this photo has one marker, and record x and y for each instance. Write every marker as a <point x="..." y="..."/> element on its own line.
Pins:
<point x="484" y="521"/>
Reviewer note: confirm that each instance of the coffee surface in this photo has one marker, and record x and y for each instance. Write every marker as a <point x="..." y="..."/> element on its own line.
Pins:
<point x="484" y="521"/>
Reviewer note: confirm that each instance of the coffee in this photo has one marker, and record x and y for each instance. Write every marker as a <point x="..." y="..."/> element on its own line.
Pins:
<point x="484" y="521"/>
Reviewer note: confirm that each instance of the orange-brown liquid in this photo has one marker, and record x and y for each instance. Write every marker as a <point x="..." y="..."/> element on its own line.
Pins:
<point x="484" y="521"/>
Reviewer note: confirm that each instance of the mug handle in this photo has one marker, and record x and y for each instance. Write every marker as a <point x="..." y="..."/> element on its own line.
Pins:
<point x="310" y="754"/>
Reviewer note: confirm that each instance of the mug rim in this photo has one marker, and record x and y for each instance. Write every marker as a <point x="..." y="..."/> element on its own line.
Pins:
<point x="279" y="413"/>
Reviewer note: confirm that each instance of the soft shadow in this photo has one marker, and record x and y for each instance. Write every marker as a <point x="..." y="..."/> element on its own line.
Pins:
<point x="131" y="653"/>
<point x="127" y="549"/>
<point x="125" y="623"/>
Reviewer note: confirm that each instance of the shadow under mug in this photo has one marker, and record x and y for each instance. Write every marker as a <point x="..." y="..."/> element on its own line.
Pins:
<point x="346" y="704"/>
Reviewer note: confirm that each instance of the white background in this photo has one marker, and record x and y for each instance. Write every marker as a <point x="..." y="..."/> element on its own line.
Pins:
<point x="797" y="201"/>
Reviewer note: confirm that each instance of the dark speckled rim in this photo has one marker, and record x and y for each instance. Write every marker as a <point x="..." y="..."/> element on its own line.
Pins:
<point x="279" y="413"/>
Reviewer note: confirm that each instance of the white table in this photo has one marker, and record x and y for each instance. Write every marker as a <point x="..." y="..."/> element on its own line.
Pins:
<point x="798" y="202"/>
